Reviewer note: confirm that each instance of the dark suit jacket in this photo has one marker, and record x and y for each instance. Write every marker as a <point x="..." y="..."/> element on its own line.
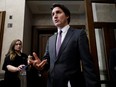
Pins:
<point x="66" y="66"/>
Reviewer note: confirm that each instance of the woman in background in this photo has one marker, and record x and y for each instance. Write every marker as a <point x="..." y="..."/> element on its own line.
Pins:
<point x="13" y="64"/>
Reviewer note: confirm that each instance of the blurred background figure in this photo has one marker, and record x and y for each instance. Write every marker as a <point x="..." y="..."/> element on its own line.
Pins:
<point x="14" y="63"/>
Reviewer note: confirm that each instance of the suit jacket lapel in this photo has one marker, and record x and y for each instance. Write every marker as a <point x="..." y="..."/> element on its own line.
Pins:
<point x="53" y="45"/>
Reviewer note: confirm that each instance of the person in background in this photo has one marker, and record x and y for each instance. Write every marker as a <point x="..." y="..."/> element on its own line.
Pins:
<point x="112" y="67"/>
<point x="63" y="66"/>
<point x="14" y="63"/>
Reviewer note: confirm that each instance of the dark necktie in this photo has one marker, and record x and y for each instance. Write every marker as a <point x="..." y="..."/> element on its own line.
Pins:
<point x="58" y="44"/>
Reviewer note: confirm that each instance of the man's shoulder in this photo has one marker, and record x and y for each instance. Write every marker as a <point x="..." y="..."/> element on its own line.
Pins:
<point x="74" y="28"/>
<point x="77" y="29"/>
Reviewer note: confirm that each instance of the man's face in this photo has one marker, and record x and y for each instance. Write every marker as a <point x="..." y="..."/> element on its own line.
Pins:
<point x="59" y="18"/>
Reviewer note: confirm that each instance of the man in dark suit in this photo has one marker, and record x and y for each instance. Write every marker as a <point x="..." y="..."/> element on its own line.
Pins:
<point x="112" y="67"/>
<point x="64" y="67"/>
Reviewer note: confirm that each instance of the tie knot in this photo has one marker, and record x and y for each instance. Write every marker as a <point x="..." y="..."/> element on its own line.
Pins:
<point x="60" y="32"/>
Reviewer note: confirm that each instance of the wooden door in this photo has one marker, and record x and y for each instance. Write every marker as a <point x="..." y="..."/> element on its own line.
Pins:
<point x="40" y="37"/>
<point x="42" y="43"/>
<point x="109" y="42"/>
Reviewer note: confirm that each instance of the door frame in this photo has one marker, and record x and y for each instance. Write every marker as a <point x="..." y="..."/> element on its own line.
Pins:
<point x="2" y="22"/>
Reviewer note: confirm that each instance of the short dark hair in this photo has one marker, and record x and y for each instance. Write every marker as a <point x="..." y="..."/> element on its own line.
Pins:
<point x="65" y="10"/>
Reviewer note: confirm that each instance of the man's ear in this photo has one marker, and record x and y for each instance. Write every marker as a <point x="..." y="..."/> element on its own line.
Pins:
<point x="67" y="17"/>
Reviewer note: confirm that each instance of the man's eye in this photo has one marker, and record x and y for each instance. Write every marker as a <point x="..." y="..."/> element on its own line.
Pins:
<point x="53" y="14"/>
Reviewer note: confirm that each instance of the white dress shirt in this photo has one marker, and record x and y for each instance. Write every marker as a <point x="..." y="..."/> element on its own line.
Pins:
<point x="64" y="32"/>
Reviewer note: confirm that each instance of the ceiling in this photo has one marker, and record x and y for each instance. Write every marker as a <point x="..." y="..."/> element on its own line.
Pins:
<point x="43" y="7"/>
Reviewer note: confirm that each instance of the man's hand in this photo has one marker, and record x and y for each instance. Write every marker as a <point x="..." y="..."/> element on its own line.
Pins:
<point x="37" y="63"/>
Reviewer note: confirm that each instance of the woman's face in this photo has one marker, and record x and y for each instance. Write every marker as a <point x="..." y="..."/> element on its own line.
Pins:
<point x="18" y="46"/>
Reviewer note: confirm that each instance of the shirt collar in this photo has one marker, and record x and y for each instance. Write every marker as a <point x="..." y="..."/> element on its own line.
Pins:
<point x="64" y="29"/>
